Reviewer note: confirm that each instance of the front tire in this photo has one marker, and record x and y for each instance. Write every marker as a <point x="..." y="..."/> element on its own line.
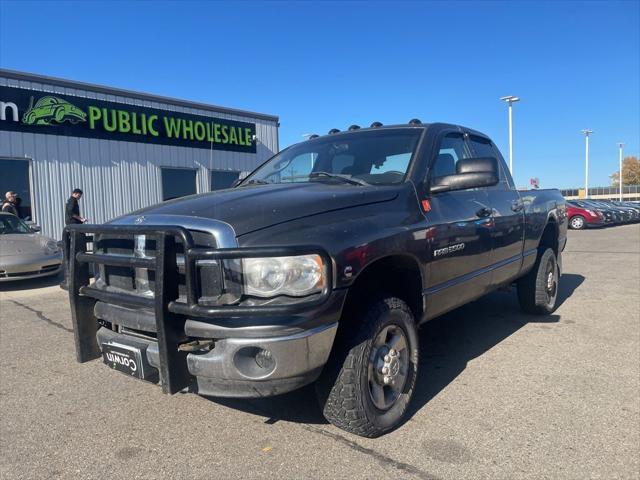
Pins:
<point x="577" y="222"/>
<point x="369" y="380"/>
<point x="538" y="289"/>
<point x="59" y="116"/>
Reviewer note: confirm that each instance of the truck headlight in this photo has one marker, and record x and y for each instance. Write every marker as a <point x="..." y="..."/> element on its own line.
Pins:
<point x="295" y="276"/>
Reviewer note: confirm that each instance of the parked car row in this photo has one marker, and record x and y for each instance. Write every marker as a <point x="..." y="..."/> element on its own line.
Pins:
<point x="600" y="213"/>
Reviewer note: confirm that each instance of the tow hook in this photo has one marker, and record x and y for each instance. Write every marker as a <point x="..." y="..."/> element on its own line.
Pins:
<point x="196" y="346"/>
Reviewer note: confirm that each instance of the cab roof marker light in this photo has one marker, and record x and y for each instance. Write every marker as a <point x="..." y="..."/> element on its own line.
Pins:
<point x="376" y="125"/>
<point x="354" y="127"/>
<point x="334" y="130"/>
<point x="415" y="121"/>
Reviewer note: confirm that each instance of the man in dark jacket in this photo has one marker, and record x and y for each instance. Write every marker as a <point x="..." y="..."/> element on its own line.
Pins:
<point x="72" y="209"/>
<point x="9" y="204"/>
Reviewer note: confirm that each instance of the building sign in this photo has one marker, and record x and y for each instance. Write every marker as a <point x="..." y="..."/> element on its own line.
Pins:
<point x="534" y="182"/>
<point x="23" y="110"/>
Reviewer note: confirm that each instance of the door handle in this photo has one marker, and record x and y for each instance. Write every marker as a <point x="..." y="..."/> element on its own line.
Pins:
<point x="517" y="205"/>
<point x="484" y="212"/>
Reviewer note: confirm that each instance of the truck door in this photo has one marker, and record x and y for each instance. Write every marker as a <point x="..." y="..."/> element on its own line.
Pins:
<point x="508" y="217"/>
<point x="458" y="234"/>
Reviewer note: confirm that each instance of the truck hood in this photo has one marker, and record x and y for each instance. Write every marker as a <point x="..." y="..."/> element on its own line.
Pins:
<point x="255" y="207"/>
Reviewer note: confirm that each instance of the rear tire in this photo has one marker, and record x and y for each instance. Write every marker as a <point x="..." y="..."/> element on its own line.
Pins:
<point x="538" y="289"/>
<point x="577" y="222"/>
<point x="367" y="384"/>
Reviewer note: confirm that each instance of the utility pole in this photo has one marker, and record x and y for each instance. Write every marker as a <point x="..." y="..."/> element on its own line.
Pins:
<point x="586" y="133"/>
<point x="510" y="99"/>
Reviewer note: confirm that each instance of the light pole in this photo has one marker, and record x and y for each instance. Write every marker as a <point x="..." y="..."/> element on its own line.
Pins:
<point x="510" y="99"/>
<point x="586" y="133"/>
<point x="620" y="146"/>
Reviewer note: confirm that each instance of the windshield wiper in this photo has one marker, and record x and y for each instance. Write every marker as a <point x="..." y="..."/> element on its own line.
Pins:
<point x="344" y="178"/>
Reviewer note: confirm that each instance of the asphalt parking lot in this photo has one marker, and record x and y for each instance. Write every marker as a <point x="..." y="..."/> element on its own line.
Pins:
<point x="501" y="395"/>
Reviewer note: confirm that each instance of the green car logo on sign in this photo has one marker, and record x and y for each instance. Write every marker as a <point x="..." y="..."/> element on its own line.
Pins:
<point x="50" y="110"/>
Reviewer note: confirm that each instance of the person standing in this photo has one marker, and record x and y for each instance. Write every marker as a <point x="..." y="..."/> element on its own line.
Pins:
<point x="9" y="204"/>
<point x="17" y="202"/>
<point x="72" y="209"/>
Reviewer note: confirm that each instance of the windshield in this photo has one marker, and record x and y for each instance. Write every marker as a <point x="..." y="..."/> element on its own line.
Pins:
<point x="358" y="158"/>
<point x="12" y="224"/>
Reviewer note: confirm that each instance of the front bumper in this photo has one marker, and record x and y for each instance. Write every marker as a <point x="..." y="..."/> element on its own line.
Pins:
<point x="230" y="369"/>
<point x="595" y="222"/>
<point x="29" y="266"/>
<point x="257" y="350"/>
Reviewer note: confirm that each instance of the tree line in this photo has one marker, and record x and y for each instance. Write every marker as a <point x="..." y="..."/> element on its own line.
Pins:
<point x="630" y="172"/>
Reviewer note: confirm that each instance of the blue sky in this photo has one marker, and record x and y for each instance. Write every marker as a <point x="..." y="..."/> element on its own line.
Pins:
<point x="320" y="65"/>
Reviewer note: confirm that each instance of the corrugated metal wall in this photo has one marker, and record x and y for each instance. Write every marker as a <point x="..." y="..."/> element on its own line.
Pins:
<point x="116" y="177"/>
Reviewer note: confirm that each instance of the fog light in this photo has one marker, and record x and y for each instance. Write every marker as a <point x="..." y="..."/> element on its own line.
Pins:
<point x="264" y="359"/>
<point x="254" y="362"/>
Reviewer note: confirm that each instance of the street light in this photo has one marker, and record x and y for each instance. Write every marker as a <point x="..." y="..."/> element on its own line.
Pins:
<point x="586" y="133"/>
<point x="510" y="99"/>
<point x="620" y="146"/>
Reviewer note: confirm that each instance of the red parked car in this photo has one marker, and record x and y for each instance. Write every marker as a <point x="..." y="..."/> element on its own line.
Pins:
<point x="580" y="218"/>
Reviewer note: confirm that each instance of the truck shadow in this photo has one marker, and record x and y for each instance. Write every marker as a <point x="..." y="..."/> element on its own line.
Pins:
<point x="450" y="342"/>
<point x="447" y="345"/>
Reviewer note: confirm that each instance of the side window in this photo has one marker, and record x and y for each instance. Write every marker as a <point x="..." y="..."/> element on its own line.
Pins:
<point x="508" y="180"/>
<point x="483" y="147"/>
<point x="452" y="148"/>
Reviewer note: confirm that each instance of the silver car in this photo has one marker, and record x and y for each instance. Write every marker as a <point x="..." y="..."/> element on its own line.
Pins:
<point x="24" y="253"/>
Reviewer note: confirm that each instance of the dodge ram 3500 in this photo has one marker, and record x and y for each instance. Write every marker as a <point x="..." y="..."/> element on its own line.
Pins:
<point x="320" y="266"/>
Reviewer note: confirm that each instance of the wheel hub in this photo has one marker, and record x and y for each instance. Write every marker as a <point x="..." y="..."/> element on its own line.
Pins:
<point x="551" y="284"/>
<point x="550" y="281"/>
<point x="388" y="366"/>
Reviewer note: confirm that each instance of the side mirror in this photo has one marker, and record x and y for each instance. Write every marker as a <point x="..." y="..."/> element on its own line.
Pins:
<point x="35" y="228"/>
<point x="470" y="173"/>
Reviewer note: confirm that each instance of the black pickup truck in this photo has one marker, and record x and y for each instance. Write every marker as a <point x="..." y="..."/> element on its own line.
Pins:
<point x="320" y="266"/>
